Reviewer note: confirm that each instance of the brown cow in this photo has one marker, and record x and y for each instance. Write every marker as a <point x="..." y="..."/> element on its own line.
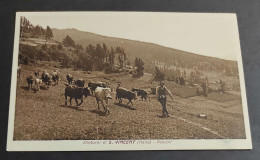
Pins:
<point x="124" y="93"/>
<point x="76" y="93"/>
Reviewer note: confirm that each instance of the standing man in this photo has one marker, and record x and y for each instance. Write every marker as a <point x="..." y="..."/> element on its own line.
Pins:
<point x="161" y="92"/>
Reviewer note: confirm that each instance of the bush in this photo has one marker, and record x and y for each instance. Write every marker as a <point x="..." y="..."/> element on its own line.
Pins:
<point x="159" y="75"/>
<point x="98" y="65"/>
<point x="139" y="63"/>
<point x="60" y="47"/>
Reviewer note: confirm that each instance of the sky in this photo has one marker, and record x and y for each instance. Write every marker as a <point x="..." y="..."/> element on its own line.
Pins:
<point x="209" y="34"/>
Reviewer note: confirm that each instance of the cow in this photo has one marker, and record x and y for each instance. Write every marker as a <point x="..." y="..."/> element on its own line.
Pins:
<point x="76" y="93"/>
<point x="101" y="84"/>
<point x="93" y="86"/>
<point x="69" y="78"/>
<point x="55" y="77"/>
<point x="102" y="95"/>
<point x="38" y="82"/>
<point x="79" y="82"/>
<point x="140" y="92"/>
<point x="29" y="80"/>
<point x="46" y="79"/>
<point x="124" y="93"/>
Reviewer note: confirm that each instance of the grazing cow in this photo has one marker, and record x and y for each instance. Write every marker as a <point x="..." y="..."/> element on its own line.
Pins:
<point x="101" y="84"/>
<point x="93" y="86"/>
<point x="69" y="78"/>
<point x="55" y="77"/>
<point x="46" y="79"/>
<point x="79" y="82"/>
<point x="38" y="82"/>
<point x="102" y="95"/>
<point x="124" y="93"/>
<point x="30" y="81"/>
<point x="140" y="92"/>
<point x="76" y="93"/>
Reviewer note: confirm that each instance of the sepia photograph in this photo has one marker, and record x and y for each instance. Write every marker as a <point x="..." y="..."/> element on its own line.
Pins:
<point x="85" y="81"/>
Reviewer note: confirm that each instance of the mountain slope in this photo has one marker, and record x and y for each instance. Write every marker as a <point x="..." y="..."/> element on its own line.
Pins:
<point x="149" y="52"/>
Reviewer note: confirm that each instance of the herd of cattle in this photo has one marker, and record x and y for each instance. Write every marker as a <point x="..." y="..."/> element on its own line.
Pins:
<point x="45" y="78"/>
<point x="75" y="89"/>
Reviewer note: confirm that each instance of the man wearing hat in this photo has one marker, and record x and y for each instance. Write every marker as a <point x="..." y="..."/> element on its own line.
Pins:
<point x="161" y="92"/>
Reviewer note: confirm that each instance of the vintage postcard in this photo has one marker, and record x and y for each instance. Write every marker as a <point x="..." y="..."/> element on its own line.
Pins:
<point x="101" y="81"/>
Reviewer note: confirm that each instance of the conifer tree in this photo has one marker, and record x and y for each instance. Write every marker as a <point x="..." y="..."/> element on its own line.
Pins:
<point x="68" y="42"/>
<point x="48" y="33"/>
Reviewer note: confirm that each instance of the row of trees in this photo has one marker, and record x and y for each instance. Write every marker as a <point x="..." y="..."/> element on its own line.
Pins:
<point x="100" y="53"/>
<point x="29" y="30"/>
<point x="99" y="57"/>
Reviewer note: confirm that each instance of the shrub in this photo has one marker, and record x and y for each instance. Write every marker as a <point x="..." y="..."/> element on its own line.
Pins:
<point x="159" y="75"/>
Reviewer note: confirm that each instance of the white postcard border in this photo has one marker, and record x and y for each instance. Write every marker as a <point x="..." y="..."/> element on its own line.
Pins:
<point x="113" y="145"/>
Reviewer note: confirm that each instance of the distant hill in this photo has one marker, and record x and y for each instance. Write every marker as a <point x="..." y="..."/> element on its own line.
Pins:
<point x="149" y="52"/>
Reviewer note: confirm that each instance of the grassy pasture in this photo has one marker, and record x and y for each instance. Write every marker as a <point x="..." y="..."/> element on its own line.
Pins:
<point x="43" y="115"/>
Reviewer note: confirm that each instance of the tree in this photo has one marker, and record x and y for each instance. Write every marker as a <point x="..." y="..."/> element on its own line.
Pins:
<point x="25" y="26"/>
<point x="90" y="49"/>
<point x="118" y="50"/>
<point x="60" y="46"/>
<point x="111" y="56"/>
<point x="99" y="52"/>
<point x="48" y="33"/>
<point x="159" y="75"/>
<point x="68" y="42"/>
<point x="36" y="31"/>
<point x="79" y="47"/>
<point x="120" y="60"/>
<point x="124" y="55"/>
<point x="139" y="64"/>
<point x="105" y="51"/>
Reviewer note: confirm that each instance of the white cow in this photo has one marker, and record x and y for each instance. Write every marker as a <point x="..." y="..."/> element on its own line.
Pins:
<point x="38" y="83"/>
<point x="102" y="95"/>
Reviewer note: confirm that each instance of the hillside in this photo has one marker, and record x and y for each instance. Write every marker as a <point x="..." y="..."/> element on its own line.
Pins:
<point x="147" y="51"/>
